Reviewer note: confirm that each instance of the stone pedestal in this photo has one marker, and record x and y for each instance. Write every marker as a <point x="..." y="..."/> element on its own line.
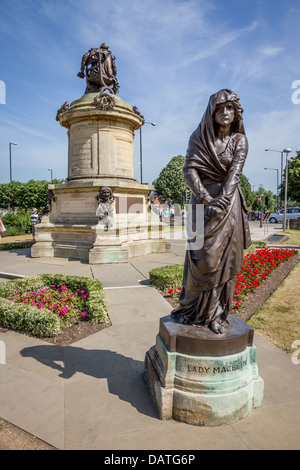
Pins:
<point x="201" y="378"/>
<point x="100" y="153"/>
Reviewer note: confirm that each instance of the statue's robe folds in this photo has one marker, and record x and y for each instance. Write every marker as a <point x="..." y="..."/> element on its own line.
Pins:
<point x="210" y="270"/>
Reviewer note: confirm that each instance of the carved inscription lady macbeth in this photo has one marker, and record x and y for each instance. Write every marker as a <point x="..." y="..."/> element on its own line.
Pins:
<point x="215" y="158"/>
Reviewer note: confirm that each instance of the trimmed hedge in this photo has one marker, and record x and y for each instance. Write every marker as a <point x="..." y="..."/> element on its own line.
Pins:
<point x="28" y="319"/>
<point x="42" y="322"/>
<point x="16" y="245"/>
<point x="167" y="277"/>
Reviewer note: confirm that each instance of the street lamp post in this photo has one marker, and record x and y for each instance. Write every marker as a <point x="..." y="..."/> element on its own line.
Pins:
<point x="276" y="169"/>
<point x="286" y="151"/>
<point x="141" y="148"/>
<point x="281" y="168"/>
<point x="49" y="169"/>
<point x="10" y="168"/>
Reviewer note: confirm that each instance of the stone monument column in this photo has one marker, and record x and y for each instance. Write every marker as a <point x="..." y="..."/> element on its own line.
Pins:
<point x="101" y="137"/>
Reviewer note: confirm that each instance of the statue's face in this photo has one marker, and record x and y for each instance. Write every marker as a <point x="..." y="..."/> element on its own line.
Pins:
<point x="224" y="114"/>
<point x="105" y="193"/>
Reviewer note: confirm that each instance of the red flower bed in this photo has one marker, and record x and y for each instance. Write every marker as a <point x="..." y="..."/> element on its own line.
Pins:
<point x="255" y="269"/>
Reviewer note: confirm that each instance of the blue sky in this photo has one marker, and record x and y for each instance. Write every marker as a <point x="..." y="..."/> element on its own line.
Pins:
<point x="171" y="55"/>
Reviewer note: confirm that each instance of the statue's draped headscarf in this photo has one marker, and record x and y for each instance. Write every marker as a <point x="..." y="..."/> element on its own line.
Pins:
<point x="201" y="153"/>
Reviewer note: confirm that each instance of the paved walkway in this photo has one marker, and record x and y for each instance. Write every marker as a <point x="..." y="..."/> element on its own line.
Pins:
<point x="91" y="394"/>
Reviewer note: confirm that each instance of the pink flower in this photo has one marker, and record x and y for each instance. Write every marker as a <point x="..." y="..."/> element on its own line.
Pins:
<point x="83" y="314"/>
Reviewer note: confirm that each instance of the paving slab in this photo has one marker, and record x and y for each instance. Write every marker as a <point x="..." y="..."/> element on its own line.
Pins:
<point x="20" y="262"/>
<point x="33" y="403"/>
<point x="277" y="374"/>
<point x="117" y="275"/>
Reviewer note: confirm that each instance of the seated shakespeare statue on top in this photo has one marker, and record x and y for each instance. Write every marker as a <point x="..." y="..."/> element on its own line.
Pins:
<point x="98" y="66"/>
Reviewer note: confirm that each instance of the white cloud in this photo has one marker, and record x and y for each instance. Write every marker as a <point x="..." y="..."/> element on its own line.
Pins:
<point x="219" y="40"/>
<point x="271" y="51"/>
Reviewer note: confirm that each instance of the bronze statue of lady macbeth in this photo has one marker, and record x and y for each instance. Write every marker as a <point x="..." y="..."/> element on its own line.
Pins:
<point x="215" y="158"/>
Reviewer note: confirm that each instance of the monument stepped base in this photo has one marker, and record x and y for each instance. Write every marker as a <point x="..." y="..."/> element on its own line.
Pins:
<point x="202" y="378"/>
<point x="72" y="229"/>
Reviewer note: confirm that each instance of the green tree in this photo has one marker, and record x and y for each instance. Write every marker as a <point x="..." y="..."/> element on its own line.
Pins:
<point x="32" y="194"/>
<point x="9" y="194"/>
<point x="170" y="183"/>
<point x="293" y="189"/>
<point x="246" y="190"/>
<point x="19" y="220"/>
<point x="267" y="201"/>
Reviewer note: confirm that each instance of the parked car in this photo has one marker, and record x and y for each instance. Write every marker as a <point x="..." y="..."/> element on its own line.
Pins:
<point x="291" y="213"/>
<point x="256" y="216"/>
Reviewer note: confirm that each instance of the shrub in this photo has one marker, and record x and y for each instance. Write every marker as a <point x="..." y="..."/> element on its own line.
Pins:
<point x="167" y="277"/>
<point x="12" y="231"/>
<point x="41" y="321"/>
<point x="96" y="303"/>
<point x="24" y="318"/>
<point x="255" y="246"/>
<point x="19" y="220"/>
<point x="16" y="245"/>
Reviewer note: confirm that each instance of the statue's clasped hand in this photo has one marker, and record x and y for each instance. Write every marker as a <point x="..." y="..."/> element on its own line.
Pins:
<point x="103" y="215"/>
<point x="216" y="206"/>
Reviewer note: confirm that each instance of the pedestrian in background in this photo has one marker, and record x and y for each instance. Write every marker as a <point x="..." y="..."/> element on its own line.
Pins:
<point x="34" y="220"/>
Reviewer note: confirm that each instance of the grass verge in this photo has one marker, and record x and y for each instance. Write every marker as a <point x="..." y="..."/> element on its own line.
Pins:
<point x="294" y="238"/>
